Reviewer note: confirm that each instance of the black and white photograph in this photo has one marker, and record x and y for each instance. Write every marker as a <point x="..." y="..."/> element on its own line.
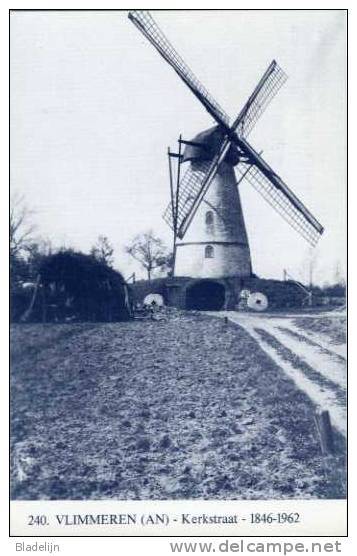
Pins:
<point x="178" y="207"/>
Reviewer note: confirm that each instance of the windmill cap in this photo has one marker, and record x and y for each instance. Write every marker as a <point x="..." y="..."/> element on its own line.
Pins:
<point x="210" y="141"/>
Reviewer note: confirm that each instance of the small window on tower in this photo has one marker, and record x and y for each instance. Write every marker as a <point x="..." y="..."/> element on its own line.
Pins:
<point x="209" y="252"/>
<point x="209" y="218"/>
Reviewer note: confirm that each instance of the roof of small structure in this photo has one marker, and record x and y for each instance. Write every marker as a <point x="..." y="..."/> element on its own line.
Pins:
<point x="210" y="141"/>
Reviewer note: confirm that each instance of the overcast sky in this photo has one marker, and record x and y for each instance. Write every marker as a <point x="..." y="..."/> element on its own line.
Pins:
<point x="94" y="108"/>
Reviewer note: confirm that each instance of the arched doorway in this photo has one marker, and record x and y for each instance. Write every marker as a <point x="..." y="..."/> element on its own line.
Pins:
<point x="205" y="295"/>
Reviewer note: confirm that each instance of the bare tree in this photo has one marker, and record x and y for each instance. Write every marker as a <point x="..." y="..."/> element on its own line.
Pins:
<point x="339" y="274"/>
<point x="36" y="251"/>
<point x="103" y="251"/>
<point x="21" y="228"/>
<point x="311" y="263"/>
<point x="149" y="251"/>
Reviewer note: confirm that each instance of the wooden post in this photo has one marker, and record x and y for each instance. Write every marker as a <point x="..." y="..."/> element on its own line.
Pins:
<point x="324" y="429"/>
<point x="26" y="315"/>
<point x="44" y="306"/>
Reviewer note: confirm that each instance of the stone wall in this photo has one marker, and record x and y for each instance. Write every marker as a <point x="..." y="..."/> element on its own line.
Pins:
<point x="176" y="290"/>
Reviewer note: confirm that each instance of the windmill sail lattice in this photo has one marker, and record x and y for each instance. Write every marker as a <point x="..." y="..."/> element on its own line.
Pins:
<point x="196" y="182"/>
<point x="280" y="203"/>
<point x="146" y="24"/>
<point x="190" y="187"/>
<point x="273" y="79"/>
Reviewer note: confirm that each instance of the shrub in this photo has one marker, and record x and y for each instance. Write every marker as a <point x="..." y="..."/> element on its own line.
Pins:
<point x="78" y="287"/>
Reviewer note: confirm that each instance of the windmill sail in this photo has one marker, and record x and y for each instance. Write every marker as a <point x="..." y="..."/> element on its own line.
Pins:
<point x="195" y="183"/>
<point x="272" y="80"/>
<point x="272" y="188"/>
<point x="190" y="187"/>
<point x="148" y="27"/>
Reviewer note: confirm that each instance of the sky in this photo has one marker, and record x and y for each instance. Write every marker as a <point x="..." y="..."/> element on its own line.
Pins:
<point x="94" y="108"/>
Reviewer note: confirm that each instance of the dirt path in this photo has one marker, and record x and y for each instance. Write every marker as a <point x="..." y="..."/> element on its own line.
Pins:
<point x="317" y="366"/>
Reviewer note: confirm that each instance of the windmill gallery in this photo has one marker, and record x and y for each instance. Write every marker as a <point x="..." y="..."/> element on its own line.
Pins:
<point x="212" y="263"/>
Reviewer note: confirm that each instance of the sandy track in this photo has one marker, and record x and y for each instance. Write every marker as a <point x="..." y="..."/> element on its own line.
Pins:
<point x="317" y="366"/>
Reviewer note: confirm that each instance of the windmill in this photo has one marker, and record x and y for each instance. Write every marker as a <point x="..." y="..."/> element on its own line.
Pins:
<point x="205" y="212"/>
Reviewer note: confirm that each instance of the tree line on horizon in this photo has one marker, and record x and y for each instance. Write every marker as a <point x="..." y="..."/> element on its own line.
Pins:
<point x="30" y="256"/>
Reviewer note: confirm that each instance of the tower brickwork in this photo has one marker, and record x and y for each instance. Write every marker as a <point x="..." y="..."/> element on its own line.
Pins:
<point x="216" y="244"/>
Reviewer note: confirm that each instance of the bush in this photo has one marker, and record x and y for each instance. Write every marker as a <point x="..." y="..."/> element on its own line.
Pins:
<point x="77" y="287"/>
<point x="335" y="290"/>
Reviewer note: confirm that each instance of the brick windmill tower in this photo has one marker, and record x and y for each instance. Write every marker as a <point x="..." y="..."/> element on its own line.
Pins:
<point x="211" y="250"/>
<point x="215" y="244"/>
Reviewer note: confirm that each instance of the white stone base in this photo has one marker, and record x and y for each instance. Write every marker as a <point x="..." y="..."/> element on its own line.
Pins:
<point x="228" y="260"/>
